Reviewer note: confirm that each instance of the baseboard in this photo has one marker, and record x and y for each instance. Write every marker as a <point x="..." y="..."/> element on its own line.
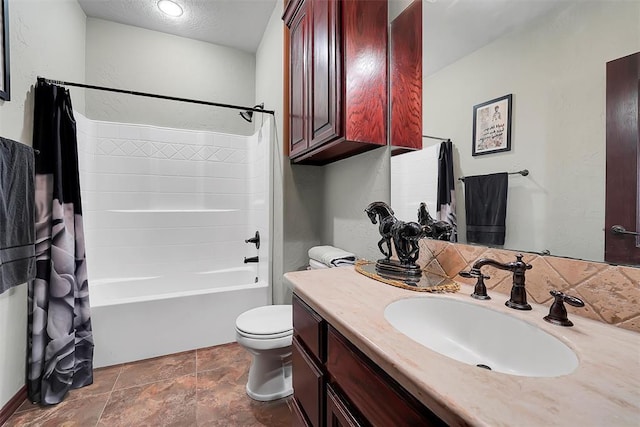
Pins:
<point x="13" y="404"/>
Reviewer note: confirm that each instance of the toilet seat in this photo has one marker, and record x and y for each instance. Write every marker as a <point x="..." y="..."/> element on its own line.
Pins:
<point x="264" y="336"/>
<point x="269" y="322"/>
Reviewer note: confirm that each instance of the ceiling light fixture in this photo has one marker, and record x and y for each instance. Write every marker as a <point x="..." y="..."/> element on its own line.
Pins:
<point x="170" y="8"/>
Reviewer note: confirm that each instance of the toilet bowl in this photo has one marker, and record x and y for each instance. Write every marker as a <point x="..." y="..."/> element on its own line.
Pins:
<point x="266" y="333"/>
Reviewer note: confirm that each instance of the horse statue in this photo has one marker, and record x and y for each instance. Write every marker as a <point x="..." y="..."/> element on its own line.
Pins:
<point x="438" y="230"/>
<point x="405" y="239"/>
<point x="405" y="235"/>
<point x="384" y="213"/>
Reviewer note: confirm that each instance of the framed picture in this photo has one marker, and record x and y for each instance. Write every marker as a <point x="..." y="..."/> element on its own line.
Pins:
<point x="5" y="90"/>
<point x="492" y="126"/>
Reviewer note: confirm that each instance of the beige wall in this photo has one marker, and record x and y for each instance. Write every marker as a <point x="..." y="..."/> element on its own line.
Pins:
<point x="127" y="57"/>
<point x="350" y="185"/>
<point x="47" y="39"/>
<point x="555" y="69"/>
<point x="269" y="86"/>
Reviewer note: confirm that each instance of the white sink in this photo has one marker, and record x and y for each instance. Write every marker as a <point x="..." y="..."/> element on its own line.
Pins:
<point x="476" y="335"/>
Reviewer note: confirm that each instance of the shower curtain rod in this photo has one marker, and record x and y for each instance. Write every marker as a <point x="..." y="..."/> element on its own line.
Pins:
<point x="152" y="95"/>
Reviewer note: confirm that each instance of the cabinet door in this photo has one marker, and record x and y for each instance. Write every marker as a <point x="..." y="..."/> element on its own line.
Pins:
<point x="325" y="74"/>
<point x="298" y="80"/>
<point x="307" y="385"/>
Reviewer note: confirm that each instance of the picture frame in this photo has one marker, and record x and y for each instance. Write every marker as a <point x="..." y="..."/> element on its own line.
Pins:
<point x="5" y="69"/>
<point x="492" y="126"/>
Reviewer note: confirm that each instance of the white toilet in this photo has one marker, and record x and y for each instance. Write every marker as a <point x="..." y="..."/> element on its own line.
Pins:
<point x="266" y="333"/>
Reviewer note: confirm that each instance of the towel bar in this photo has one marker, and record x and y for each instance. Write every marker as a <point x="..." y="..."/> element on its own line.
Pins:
<point x="523" y="172"/>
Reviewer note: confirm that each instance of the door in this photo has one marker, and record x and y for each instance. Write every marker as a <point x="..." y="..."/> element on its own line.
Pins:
<point x="325" y="75"/>
<point x="622" y="206"/>
<point x="298" y="89"/>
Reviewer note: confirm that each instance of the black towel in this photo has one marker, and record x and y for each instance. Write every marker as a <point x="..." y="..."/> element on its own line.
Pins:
<point x="17" y="214"/>
<point x="486" y="207"/>
<point x="446" y="200"/>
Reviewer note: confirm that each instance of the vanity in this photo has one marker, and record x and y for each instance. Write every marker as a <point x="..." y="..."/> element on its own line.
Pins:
<point x="352" y="367"/>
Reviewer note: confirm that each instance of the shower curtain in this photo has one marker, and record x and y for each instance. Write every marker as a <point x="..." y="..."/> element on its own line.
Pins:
<point x="60" y="341"/>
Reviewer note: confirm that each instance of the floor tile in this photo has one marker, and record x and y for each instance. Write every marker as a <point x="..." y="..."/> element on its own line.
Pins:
<point x="223" y="402"/>
<point x="228" y="355"/>
<point x="104" y="380"/>
<point x="156" y="369"/>
<point x="153" y="393"/>
<point x="80" y="412"/>
<point x="163" y="403"/>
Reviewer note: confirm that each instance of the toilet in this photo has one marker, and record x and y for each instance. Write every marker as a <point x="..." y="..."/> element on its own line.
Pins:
<point x="266" y="333"/>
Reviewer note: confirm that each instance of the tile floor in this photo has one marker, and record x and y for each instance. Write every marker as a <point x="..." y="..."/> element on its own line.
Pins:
<point x="196" y="388"/>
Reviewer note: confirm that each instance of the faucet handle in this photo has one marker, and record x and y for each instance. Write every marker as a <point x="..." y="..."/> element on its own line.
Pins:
<point x="557" y="312"/>
<point x="480" y="290"/>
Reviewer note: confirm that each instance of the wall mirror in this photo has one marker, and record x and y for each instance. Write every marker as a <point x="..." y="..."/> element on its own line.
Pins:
<point x="551" y="56"/>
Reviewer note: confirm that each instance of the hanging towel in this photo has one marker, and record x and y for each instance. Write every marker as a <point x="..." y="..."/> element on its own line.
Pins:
<point x="17" y="213"/>
<point x="486" y="208"/>
<point x="331" y="256"/>
<point x="446" y="188"/>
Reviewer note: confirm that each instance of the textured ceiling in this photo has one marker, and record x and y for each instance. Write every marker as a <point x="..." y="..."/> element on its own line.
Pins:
<point x="235" y="23"/>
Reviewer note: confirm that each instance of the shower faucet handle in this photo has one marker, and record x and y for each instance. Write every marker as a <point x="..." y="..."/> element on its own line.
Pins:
<point x="255" y="239"/>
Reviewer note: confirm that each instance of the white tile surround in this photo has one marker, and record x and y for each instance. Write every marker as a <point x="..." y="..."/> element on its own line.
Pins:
<point x="158" y="200"/>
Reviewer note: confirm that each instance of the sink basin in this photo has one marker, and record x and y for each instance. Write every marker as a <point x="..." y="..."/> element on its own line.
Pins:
<point x="479" y="336"/>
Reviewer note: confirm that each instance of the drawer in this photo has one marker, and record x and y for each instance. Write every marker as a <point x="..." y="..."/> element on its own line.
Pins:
<point x="338" y="415"/>
<point x="309" y="328"/>
<point x="308" y="386"/>
<point x="376" y="396"/>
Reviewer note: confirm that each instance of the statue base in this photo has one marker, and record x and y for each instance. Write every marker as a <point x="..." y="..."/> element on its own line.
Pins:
<point x="391" y="269"/>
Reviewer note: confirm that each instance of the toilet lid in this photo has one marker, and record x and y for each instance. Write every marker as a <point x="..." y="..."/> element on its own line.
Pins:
<point x="269" y="320"/>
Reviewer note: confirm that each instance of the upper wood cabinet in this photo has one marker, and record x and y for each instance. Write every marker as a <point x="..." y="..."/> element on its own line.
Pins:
<point x="406" y="80"/>
<point x="337" y="78"/>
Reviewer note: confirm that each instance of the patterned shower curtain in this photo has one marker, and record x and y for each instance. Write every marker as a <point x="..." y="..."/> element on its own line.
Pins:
<point x="60" y="341"/>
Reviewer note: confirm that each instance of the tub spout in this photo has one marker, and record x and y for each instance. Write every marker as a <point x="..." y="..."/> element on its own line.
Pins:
<point x="252" y="259"/>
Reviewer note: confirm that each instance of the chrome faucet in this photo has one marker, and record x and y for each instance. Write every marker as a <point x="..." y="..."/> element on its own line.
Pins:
<point x="518" y="298"/>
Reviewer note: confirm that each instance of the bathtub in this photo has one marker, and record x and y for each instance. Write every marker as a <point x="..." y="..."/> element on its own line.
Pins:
<point x="135" y="318"/>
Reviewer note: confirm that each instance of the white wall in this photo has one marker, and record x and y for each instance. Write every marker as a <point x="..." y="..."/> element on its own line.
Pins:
<point x="169" y="65"/>
<point x="555" y="69"/>
<point x="47" y="39"/>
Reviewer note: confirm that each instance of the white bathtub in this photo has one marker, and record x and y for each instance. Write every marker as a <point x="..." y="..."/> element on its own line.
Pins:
<point x="136" y="318"/>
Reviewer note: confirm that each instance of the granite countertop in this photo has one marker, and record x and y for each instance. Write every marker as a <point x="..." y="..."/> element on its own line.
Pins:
<point x="603" y="391"/>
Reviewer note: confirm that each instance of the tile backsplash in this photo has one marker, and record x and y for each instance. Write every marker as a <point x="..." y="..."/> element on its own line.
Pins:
<point x="611" y="293"/>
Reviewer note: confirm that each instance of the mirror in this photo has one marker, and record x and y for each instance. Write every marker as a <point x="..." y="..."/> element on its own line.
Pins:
<point x="551" y="56"/>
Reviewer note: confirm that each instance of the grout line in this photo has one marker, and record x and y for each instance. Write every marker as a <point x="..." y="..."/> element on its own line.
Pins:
<point x="105" y="405"/>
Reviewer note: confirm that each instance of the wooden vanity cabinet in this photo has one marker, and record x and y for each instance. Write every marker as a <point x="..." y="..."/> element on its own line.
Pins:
<point x="337" y="78"/>
<point x="335" y="384"/>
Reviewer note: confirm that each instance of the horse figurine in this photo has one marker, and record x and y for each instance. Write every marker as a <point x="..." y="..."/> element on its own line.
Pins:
<point x="438" y="230"/>
<point x="405" y="238"/>
<point x="405" y="235"/>
<point x="385" y="216"/>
